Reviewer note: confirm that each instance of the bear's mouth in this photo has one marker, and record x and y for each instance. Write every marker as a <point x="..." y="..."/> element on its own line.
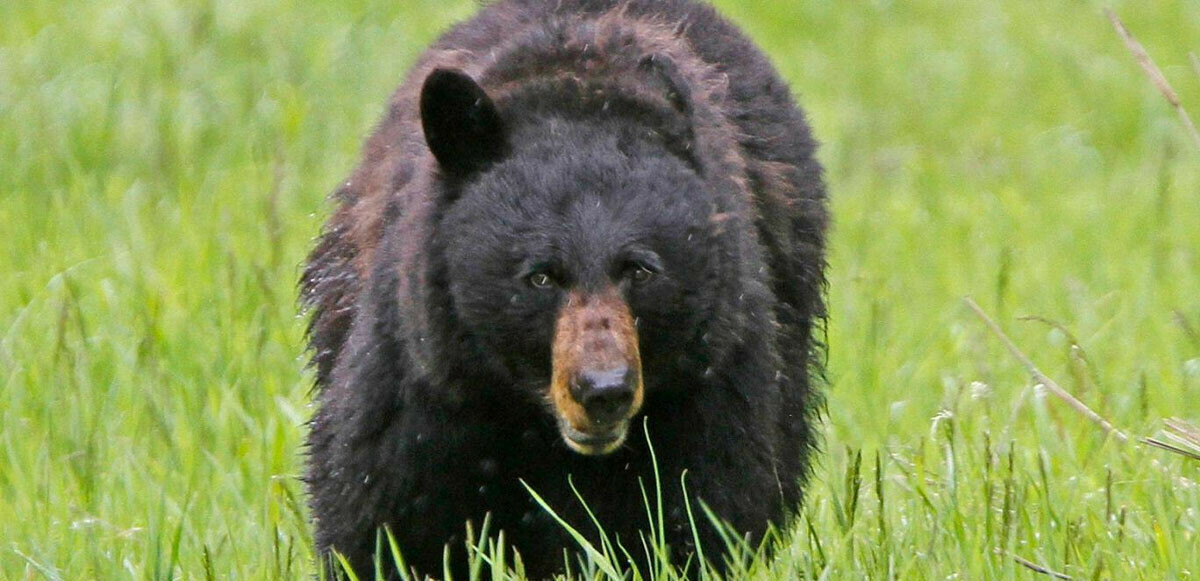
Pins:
<point x="596" y="384"/>
<point x="590" y="444"/>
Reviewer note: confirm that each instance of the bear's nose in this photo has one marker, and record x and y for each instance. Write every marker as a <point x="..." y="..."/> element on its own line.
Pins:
<point x="606" y="395"/>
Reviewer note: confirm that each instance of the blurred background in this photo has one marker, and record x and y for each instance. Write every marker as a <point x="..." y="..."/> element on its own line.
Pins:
<point x="164" y="168"/>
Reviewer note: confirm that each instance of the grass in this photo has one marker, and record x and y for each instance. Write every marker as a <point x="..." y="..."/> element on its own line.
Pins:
<point x="163" y="167"/>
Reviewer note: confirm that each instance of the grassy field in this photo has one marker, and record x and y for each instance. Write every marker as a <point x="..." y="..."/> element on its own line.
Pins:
<point x="163" y="168"/>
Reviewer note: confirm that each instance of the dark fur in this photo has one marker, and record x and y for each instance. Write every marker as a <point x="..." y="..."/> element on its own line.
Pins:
<point x="644" y="121"/>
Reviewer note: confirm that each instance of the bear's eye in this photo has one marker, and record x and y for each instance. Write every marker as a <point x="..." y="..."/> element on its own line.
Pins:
<point x="639" y="273"/>
<point x="540" y="280"/>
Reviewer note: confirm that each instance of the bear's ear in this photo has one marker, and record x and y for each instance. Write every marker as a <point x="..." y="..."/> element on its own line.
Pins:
<point x="462" y="125"/>
<point x="667" y="78"/>
<point x="674" y="85"/>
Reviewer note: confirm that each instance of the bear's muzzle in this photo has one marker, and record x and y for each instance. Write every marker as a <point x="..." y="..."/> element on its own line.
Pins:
<point x="596" y="385"/>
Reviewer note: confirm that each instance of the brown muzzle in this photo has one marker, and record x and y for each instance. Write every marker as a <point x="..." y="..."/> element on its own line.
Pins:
<point x="596" y="384"/>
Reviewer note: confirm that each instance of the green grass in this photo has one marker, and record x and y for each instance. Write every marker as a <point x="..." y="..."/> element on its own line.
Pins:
<point x="163" y="167"/>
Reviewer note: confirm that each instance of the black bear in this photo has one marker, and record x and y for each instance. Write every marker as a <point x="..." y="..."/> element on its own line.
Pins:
<point x="585" y="232"/>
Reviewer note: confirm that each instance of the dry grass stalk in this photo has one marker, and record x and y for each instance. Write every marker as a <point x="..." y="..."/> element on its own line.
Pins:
<point x="1155" y="74"/>
<point x="1181" y="438"/>
<point x="1188" y="431"/>
<point x="1160" y="444"/>
<point x="1044" y="379"/>
<point x="1040" y="569"/>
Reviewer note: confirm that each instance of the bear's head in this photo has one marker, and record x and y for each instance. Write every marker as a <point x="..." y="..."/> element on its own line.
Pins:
<point x="578" y="241"/>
